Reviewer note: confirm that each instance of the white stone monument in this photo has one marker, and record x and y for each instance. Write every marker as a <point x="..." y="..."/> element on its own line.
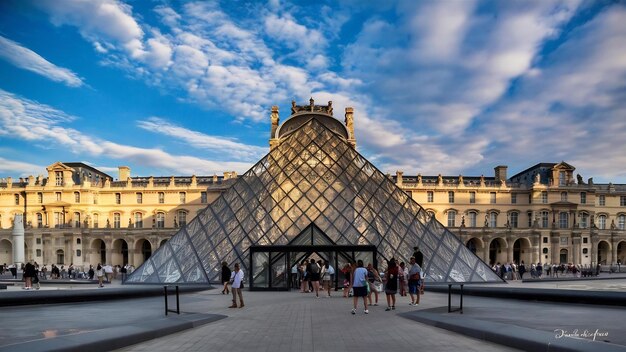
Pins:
<point x="18" y="240"/>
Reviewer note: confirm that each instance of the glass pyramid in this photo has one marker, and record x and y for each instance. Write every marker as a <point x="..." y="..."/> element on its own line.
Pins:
<point x="313" y="177"/>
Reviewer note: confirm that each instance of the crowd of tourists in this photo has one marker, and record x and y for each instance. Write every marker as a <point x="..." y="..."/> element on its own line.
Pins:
<point x="32" y="273"/>
<point x="359" y="281"/>
<point x="513" y="271"/>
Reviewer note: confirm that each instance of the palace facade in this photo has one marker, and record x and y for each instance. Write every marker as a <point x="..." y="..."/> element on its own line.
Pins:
<point x="78" y="214"/>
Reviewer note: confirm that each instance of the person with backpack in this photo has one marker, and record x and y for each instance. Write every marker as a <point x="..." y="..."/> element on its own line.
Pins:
<point x="313" y="273"/>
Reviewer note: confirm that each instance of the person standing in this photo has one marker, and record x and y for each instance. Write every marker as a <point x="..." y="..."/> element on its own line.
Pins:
<point x="391" y="284"/>
<point x="236" y="283"/>
<point x="226" y="272"/>
<point x="359" y="286"/>
<point x="314" y="274"/>
<point x="304" y="284"/>
<point x="347" y="273"/>
<point x="100" y="275"/>
<point x="403" y="274"/>
<point x="415" y="282"/>
<point x="374" y="279"/>
<point x="327" y="274"/>
<point x="29" y="273"/>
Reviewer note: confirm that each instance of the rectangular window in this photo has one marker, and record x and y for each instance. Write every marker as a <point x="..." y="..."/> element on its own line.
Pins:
<point x="138" y="220"/>
<point x="183" y="197"/>
<point x="95" y="221"/>
<point x="562" y="178"/>
<point x="430" y="196"/>
<point x="38" y="253"/>
<point x="513" y="198"/>
<point x="38" y="240"/>
<point x="622" y="201"/>
<point x="583" y="198"/>
<point x="39" y="197"/>
<point x="450" y="197"/>
<point x="514" y="220"/>
<point x="493" y="219"/>
<point x="544" y="219"/>
<point x="472" y="197"/>
<point x="585" y="239"/>
<point x="451" y="218"/>
<point x="492" y="197"/>
<point x="17" y="199"/>
<point x="118" y="198"/>
<point x="602" y="200"/>
<point x="472" y="219"/>
<point x="530" y="218"/>
<point x="58" y="178"/>
<point x="545" y="240"/>
<point x="161" y="197"/>
<point x="584" y="220"/>
<point x="95" y="198"/>
<point x="116" y="220"/>
<point x="203" y="198"/>
<point x="563" y="220"/>
<point x="58" y="196"/>
<point x="530" y="198"/>
<point x="76" y="197"/>
<point x="544" y="197"/>
<point x="563" y="196"/>
<point x="39" y="220"/>
<point x="139" y="198"/>
<point x="621" y="222"/>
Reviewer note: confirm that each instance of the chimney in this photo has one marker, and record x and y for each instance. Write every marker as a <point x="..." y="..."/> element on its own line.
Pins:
<point x="124" y="173"/>
<point x="501" y="173"/>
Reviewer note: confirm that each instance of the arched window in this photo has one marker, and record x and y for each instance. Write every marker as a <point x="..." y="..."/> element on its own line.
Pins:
<point x="493" y="219"/>
<point x="621" y="222"/>
<point x="138" y="220"/>
<point x="39" y="220"/>
<point x="95" y="221"/>
<point x="116" y="220"/>
<point x="161" y="197"/>
<point x="472" y="218"/>
<point x="76" y="197"/>
<point x="182" y="218"/>
<point x="60" y="257"/>
<point x="160" y="220"/>
<point x="514" y="219"/>
<point x="451" y="218"/>
<point x="563" y="220"/>
<point x="544" y="219"/>
<point x="602" y="222"/>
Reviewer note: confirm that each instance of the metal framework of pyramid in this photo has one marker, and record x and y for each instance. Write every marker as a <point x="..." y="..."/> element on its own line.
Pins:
<point x="313" y="177"/>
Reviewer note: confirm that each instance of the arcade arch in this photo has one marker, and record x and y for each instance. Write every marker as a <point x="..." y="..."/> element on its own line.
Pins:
<point x="522" y="251"/>
<point x="497" y="251"/>
<point x="604" y="253"/>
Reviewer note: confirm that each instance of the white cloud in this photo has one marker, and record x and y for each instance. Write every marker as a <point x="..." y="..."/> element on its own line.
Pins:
<point x="29" y="60"/>
<point x="26" y="119"/>
<point x="214" y="144"/>
<point x="19" y="168"/>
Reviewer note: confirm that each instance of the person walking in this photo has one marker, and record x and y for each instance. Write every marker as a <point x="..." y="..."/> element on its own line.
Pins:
<point x="415" y="282"/>
<point x="359" y="286"/>
<point x="225" y="278"/>
<point x="391" y="284"/>
<point x="236" y="284"/>
<point x="304" y="280"/>
<point x="100" y="275"/>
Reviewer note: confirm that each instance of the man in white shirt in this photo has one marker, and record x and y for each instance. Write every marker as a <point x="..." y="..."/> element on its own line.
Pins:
<point x="236" y="284"/>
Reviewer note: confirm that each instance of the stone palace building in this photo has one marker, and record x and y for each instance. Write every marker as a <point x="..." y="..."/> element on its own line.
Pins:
<point x="78" y="214"/>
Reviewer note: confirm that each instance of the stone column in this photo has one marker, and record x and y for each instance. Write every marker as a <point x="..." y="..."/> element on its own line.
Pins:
<point x="554" y="247"/>
<point x="17" y="235"/>
<point x="594" y="247"/>
<point x="576" y="249"/>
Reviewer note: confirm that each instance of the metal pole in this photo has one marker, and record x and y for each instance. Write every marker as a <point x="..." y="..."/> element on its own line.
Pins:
<point x="178" y="303"/>
<point x="165" y="293"/>
<point x="449" y="298"/>
<point x="461" y="298"/>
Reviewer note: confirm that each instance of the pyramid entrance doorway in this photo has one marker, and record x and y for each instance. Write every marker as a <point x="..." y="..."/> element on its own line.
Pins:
<point x="272" y="267"/>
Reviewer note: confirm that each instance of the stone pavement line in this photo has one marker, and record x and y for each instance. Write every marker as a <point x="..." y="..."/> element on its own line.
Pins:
<point x="291" y="321"/>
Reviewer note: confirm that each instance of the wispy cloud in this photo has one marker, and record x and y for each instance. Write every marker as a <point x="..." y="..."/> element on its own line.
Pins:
<point x="27" y="59"/>
<point x="19" y="168"/>
<point x="26" y="119"/>
<point x="212" y="144"/>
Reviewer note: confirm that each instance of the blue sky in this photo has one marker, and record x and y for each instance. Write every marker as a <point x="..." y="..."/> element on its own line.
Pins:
<point x="181" y="88"/>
